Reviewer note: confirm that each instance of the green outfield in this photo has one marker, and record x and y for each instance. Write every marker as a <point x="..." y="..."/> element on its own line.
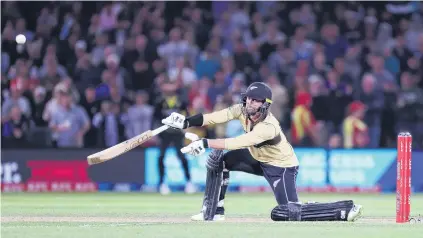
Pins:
<point x="152" y="215"/>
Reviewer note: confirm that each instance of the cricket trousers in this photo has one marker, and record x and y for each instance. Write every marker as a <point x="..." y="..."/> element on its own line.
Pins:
<point x="282" y="180"/>
<point x="177" y="140"/>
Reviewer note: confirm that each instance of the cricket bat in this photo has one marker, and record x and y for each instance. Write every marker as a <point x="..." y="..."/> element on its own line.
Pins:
<point x="124" y="147"/>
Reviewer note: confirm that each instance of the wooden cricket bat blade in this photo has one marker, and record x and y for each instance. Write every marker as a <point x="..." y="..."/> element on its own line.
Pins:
<point x="123" y="147"/>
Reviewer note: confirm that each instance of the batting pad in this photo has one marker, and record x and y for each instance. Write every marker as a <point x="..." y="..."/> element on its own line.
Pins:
<point x="211" y="194"/>
<point x="336" y="211"/>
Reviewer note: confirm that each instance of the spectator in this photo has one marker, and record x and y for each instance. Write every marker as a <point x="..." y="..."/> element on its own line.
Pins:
<point x="352" y="64"/>
<point x="319" y="65"/>
<point x="142" y="75"/>
<point x="269" y="40"/>
<point x="218" y="88"/>
<point x="280" y="99"/>
<point x="70" y="122"/>
<point x="335" y="45"/>
<point x="19" y="76"/>
<point x="278" y="59"/>
<point x="144" y="49"/>
<point x="5" y="62"/>
<point x="139" y="116"/>
<point x="21" y="29"/>
<point x="412" y="30"/>
<point x="302" y="47"/>
<point x="193" y="50"/>
<point x="53" y="104"/>
<point x="373" y="98"/>
<point x="175" y="48"/>
<point x="34" y="53"/>
<point x="110" y="129"/>
<point x="401" y="52"/>
<point x="384" y="78"/>
<point x="16" y="99"/>
<point x="51" y="73"/>
<point x="237" y="85"/>
<point x="67" y="52"/>
<point x="392" y="63"/>
<point x="15" y="128"/>
<point x="199" y="93"/>
<point x="303" y="129"/>
<point x="91" y="105"/>
<point x="353" y="28"/>
<point x="410" y="108"/>
<point x="181" y="74"/>
<point x="47" y="18"/>
<point x="320" y="96"/>
<point x="355" y="131"/>
<point x="8" y="43"/>
<point x="228" y="69"/>
<point x="11" y="10"/>
<point x="108" y="16"/>
<point x="242" y="58"/>
<point x="208" y="63"/>
<point x="419" y="63"/>
<point x="68" y="86"/>
<point x="345" y="77"/>
<point x="94" y="28"/>
<point x="120" y="76"/>
<point x="97" y="53"/>
<point x="85" y="74"/>
<point x="38" y="106"/>
<point x="340" y="95"/>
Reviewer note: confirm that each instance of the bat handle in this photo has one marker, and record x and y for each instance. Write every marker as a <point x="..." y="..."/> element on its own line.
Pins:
<point x="191" y="136"/>
<point x="159" y="130"/>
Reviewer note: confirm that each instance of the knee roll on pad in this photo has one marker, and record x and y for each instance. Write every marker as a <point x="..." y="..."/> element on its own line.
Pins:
<point x="336" y="211"/>
<point x="215" y="160"/>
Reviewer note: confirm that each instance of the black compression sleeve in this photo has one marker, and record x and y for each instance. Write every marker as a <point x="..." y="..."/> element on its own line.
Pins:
<point x="196" y="120"/>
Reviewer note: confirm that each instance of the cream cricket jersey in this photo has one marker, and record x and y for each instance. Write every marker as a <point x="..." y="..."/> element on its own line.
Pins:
<point x="265" y="141"/>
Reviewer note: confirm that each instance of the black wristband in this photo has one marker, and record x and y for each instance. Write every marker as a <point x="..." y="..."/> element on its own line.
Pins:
<point x="196" y="120"/>
<point x="205" y="143"/>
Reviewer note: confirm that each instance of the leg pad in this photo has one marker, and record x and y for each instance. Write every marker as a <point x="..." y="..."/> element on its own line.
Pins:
<point x="336" y="211"/>
<point x="212" y="193"/>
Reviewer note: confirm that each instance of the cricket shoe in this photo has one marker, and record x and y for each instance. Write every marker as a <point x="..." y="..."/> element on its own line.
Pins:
<point x="355" y="213"/>
<point x="219" y="216"/>
<point x="164" y="189"/>
<point x="200" y="217"/>
<point x="190" y="188"/>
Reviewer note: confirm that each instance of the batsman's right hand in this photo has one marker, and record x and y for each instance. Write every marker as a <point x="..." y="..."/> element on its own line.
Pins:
<point x="175" y="120"/>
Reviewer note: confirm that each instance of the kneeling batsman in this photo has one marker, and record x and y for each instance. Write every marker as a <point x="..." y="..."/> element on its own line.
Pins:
<point x="262" y="150"/>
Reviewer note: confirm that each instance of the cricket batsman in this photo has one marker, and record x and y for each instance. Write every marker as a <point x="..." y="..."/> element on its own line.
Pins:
<point x="263" y="150"/>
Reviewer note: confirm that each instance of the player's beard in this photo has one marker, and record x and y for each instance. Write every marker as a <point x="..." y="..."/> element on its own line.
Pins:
<point x="251" y="111"/>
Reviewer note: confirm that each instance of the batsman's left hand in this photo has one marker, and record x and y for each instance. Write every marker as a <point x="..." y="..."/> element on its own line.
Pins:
<point x="175" y="120"/>
<point x="197" y="147"/>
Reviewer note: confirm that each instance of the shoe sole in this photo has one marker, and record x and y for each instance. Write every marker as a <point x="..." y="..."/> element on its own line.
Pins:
<point x="359" y="214"/>
<point x="216" y="219"/>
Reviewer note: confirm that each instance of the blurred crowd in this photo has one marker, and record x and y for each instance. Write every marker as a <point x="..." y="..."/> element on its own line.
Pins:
<point x="90" y="74"/>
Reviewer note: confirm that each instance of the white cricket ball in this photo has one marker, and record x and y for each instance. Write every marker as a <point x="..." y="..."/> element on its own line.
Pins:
<point x="20" y="39"/>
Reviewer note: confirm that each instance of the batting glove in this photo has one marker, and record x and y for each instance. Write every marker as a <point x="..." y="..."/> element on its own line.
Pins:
<point x="196" y="148"/>
<point x="175" y="120"/>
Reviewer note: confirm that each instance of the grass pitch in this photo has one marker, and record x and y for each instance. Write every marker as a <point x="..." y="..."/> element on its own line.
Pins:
<point x="151" y="215"/>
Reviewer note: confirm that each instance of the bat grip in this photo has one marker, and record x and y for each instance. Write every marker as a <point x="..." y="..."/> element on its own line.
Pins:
<point x="159" y="130"/>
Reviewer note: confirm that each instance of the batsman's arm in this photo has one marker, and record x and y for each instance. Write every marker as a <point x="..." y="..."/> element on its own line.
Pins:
<point x="259" y="134"/>
<point x="217" y="117"/>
